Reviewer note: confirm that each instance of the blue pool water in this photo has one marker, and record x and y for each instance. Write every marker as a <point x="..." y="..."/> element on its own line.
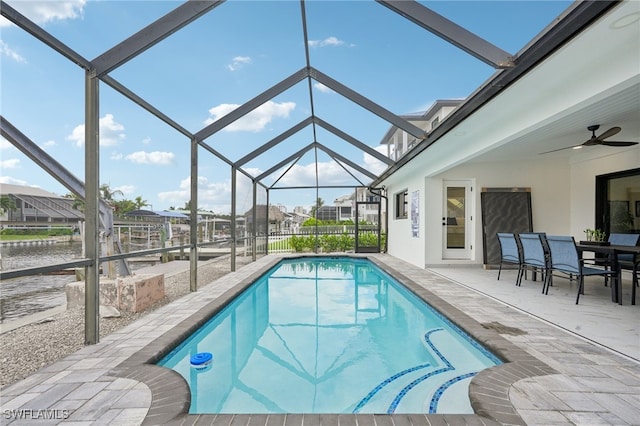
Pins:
<point x="329" y="335"/>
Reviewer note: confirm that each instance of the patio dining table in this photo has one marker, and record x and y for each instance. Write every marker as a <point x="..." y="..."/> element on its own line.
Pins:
<point x="612" y="251"/>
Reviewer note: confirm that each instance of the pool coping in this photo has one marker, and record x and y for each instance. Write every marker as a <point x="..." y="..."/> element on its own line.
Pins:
<point x="488" y="390"/>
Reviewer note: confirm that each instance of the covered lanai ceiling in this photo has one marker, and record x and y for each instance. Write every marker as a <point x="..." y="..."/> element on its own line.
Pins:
<point x="335" y="96"/>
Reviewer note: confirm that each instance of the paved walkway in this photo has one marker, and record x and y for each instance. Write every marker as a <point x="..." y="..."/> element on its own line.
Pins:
<point x="595" y="318"/>
<point x="591" y="384"/>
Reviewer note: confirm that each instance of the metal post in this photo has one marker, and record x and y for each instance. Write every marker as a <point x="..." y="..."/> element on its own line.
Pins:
<point x="92" y="194"/>
<point x="233" y="219"/>
<point x="255" y="224"/>
<point x="193" y="225"/>
<point x="266" y="219"/>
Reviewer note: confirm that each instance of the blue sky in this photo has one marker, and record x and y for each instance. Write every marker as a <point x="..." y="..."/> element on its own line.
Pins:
<point x="225" y="58"/>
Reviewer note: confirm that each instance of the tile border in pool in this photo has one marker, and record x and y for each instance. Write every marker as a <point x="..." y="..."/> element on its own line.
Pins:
<point x="488" y="390"/>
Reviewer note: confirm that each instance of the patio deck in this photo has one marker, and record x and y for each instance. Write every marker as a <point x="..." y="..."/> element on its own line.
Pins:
<point x="588" y="378"/>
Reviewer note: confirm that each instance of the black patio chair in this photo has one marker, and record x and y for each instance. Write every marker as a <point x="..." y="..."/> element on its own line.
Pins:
<point x="509" y="252"/>
<point x="563" y="257"/>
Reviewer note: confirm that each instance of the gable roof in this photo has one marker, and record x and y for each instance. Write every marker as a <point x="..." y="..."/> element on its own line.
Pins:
<point x="6" y="189"/>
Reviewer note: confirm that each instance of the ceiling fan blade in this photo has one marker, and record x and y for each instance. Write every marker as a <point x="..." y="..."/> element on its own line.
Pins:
<point x="559" y="149"/>
<point x="612" y="131"/>
<point x="618" y="143"/>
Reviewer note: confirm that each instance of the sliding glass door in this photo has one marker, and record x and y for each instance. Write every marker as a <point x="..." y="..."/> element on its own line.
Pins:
<point x="618" y="202"/>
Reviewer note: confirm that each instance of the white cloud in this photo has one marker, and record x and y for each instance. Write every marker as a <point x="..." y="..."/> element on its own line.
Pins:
<point x="322" y="88"/>
<point x="253" y="171"/>
<point x="5" y="144"/>
<point x="211" y="195"/>
<point x="214" y="196"/>
<point x="374" y="165"/>
<point x="256" y="120"/>
<point x="49" y="143"/>
<point x="12" y="181"/>
<point x="146" y="141"/>
<point x="5" y="50"/>
<point x="116" y="156"/>
<point x="46" y="11"/>
<point x="12" y="163"/>
<point x="125" y="189"/>
<point x="329" y="41"/>
<point x="238" y="62"/>
<point x="330" y="173"/>
<point x="155" y="157"/>
<point x="111" y="132"/>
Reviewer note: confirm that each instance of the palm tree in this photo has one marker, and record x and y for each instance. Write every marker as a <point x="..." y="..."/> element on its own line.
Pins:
<point x="78" y="203"/>
<point x="108" y="194"/>
<point x="6" y="204"/>
<point x="140" y="203"/>
<point x="319" y="203"/>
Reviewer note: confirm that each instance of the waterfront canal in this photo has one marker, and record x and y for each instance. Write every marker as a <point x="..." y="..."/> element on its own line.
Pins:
<point x="28" y="295"/>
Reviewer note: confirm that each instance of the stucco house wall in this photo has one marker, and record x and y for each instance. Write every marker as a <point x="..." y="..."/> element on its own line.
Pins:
<point x="583" y="176"/>
<point x="560" y="91"/>
<point x="400" y="242"/>
<point x="562" y="194"/>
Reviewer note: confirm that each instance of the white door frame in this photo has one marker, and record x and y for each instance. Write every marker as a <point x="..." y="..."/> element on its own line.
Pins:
<point x="458" y="219"/>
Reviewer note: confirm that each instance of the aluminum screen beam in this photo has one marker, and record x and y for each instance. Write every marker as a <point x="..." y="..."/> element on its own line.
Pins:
<point x="580" y="16"/>
<point x="23" y="22"/>
<point x="152" y="34"/>
<point x="224" y="159"/>
<point x="290" y="158"/>
<point x="451" y="32"/>
<point x="286" y="171"/>
<point x="252" y="104"/>
<point x="314" y="187"/>
<point x="55" y="170"/>
<point x="337" y="160"/>
<point x="91" y="209"/>
<point x="41" y="158"/>
<point x="144" y="104"/>
<point x="345" y="160"/>
<point x="367" y="104"/>
<point x="234" y="235"/>
<point x="254" y="218"/>
<point x="353" y="141"/>
<point x="275" y="141"/>
<point x="193" y="217"/>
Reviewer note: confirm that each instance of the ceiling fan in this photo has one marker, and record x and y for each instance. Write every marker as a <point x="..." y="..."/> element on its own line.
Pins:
<point x="598" y="140"/>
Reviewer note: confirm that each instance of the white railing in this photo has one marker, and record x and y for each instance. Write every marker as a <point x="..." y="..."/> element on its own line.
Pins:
<point x="279" y="244"/>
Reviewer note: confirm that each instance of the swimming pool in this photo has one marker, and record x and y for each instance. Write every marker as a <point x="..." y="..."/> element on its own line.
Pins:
<point x="329" y="335"/>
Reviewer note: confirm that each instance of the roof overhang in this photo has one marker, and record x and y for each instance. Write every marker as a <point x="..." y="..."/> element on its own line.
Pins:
<point x="543" y="87"/>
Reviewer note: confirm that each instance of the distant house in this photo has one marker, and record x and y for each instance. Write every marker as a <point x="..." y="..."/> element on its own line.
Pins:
<point x="39" y="206"/>
<point x="169" y="220"/>
<point x="276" y="222"/>
<point x="369" y="212"/>
<point x="399" y="142"/>
<point x="345" y="207"/>
<point x="327" y="213"/>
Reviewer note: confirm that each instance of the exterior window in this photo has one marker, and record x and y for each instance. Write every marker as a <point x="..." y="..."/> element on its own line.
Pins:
<point x="402" y="203"/>
<point x="618" y="202"/>
<point x="435" y="122"/>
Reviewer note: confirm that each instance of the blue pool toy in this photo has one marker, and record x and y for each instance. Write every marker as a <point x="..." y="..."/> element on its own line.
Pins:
<point x="202" y="360"/>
